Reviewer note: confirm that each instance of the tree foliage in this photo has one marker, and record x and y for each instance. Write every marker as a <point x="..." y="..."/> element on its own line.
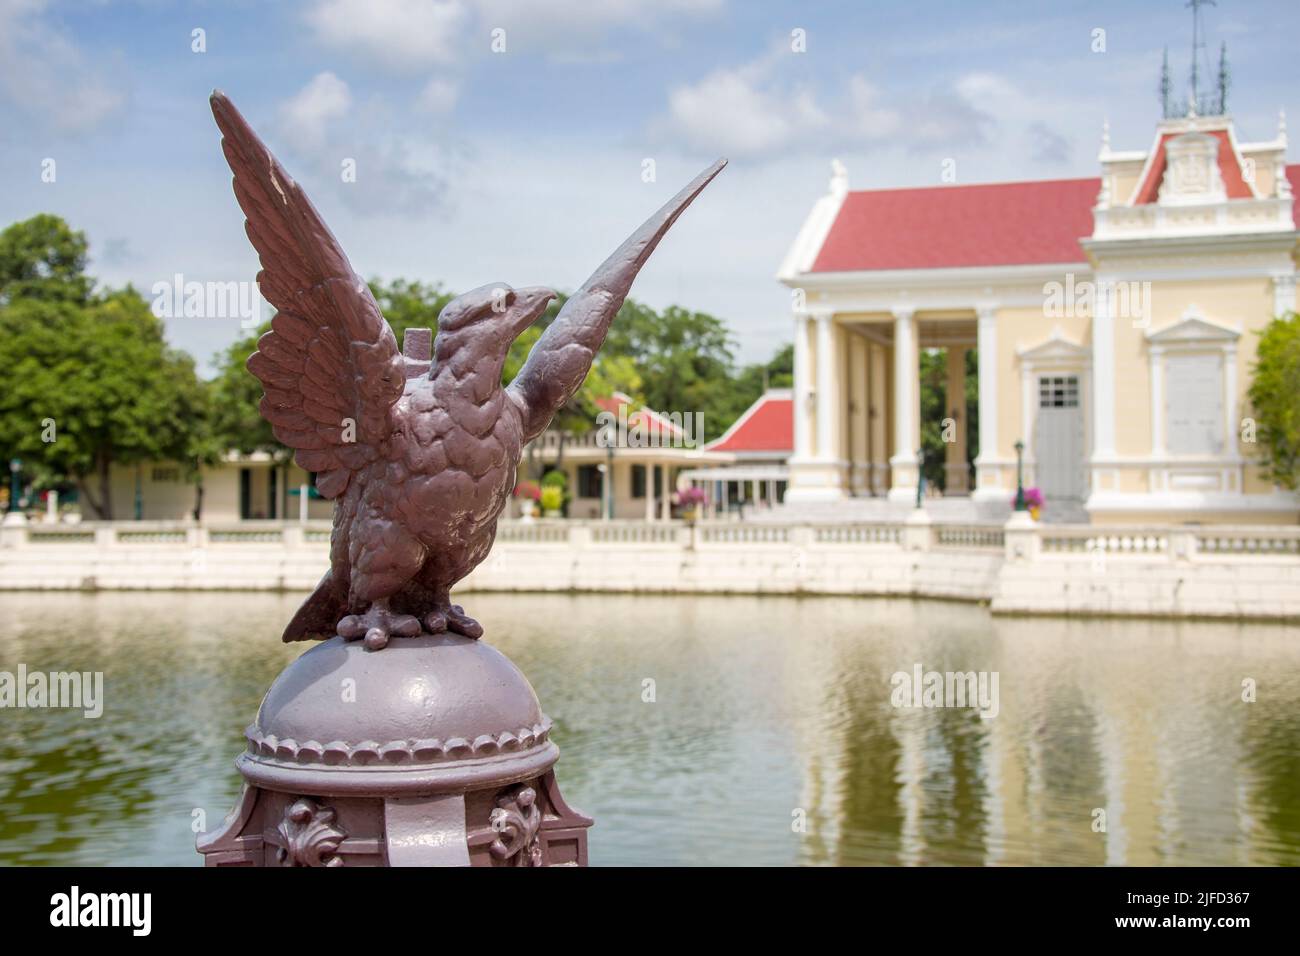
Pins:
<point x="1275" y="398"/>
<point x="43" y="259"/>
<point x="91" y="381"/>
<point x="937" y="406"/>
<point x="92" y="370"/>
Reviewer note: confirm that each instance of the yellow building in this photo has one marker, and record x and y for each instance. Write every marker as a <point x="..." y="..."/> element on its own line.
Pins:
<point x="637" y="469"/>
<point x="1115" y="321"/>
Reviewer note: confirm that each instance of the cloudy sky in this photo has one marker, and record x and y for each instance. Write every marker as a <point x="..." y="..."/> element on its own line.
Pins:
<point x="526" y="165"/>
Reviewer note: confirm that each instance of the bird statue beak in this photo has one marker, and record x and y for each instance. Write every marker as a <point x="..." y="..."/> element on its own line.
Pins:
<point x="528" y="307"/>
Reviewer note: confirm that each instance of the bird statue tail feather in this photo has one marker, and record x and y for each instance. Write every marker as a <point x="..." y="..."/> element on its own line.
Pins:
<point x="319" y="615"/>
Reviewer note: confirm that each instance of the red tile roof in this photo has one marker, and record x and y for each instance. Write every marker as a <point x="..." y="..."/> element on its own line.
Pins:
<point x="767" y="425"/>
<point x="1233" y="182"/>
<point x="997" y="224"/>
<point x="937" y="227"/>
<point x="654" y="423"/>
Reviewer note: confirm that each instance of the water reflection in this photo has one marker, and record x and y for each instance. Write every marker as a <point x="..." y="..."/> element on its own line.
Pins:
<point x="770" y="738"/>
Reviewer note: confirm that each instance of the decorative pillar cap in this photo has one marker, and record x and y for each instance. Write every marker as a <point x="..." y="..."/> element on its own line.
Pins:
<point x="431" y="714"/>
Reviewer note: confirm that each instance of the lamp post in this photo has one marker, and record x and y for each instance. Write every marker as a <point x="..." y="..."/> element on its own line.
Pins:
<point x="920" y="475"/>
<point x="15" y="483"/>
<point x="607" y="437"/>
<point x="609" y="480"/>
<point x="1020" y="477"/>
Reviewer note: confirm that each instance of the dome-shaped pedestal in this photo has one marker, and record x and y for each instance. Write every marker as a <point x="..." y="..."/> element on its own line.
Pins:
<point x="433" y="751"/>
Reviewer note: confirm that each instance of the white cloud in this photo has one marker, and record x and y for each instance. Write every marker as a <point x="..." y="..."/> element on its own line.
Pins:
<point x="46" y="75"/>
<point x="754" y="111"/>
<point x="869" y="118"/>
<point x="740" y="112"/>
<point x="438" y="96"/>
<point x="408" y="36"/>
<point x="386" y="172"/>
<point x="405" y="35"/>
<point x="309" y="113"/>
<point x="556" y="20"/>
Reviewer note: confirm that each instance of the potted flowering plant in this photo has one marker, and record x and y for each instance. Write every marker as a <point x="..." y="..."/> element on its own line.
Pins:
<point x="552" y="500"/>
<point x="1034" y="502"/>
<point x="529" y="494"/>
<point x="690" y="501"/>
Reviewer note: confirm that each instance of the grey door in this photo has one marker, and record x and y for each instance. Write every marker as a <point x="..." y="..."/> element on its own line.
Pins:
<point x="1194" y="404"/>
<point x="1058" y="446"/>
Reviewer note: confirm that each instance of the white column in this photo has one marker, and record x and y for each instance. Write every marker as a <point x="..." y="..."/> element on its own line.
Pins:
<point x="1156" y="356"/>
<point x="665" y="495"/>
<point x="1284" y="293"/>
<point x="877" y="402"/>
<point x="859" y="427"/>
<point x="987" y="484"/>
<point x="906" y="408"/>
<point x="1103" y="374"/>
<point x="802" y="388"/>
<point x="303" y="497"/>
<point x="816" y="468"/>
<point x="648" y="471"/>
<point x="826" y="391"/>
<point x="1231" y="446"/>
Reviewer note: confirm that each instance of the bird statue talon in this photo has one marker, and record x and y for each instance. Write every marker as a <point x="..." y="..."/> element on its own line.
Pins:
<point x="377" y="626"/>
<point x="454" y="619"/>
<point x="462" y="623"/>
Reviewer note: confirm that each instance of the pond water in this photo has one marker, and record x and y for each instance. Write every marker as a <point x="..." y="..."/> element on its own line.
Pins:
<point x="771" y="738"/>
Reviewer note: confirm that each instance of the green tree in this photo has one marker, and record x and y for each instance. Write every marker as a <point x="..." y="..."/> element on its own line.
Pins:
<point x="407" y="304"/>
<point x="234" y="395"/>
<point x="91" y="381"/>
<point x="684" y="359"/>
<point x="754" y="380"/>
<point x="93" y="386"/>
<point x="1275" y="399"/>
<point x="43" y="259"/>
<point x="937" y="405"/>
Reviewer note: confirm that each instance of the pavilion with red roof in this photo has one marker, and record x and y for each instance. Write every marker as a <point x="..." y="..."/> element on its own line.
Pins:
<point x="749" y="458"/>
<point x="1113" y="320"/>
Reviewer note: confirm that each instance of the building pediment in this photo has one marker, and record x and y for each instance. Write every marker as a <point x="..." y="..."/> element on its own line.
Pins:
<point x="1192" y="327"/>
<point x="1055" y="349"/>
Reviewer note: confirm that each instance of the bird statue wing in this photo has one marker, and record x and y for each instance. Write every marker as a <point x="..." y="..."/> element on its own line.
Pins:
<point x="559" y="362"/>
<point x="330" y="365"/>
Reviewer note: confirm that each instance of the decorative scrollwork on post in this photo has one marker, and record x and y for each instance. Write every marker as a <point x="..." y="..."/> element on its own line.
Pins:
<point x="310" y="834"/>
<point x="517" y="820"/>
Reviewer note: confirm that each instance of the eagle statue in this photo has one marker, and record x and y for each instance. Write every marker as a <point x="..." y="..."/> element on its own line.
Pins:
<point x="418" y="449"/>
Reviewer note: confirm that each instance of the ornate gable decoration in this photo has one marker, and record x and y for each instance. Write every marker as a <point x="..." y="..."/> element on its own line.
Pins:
<point x="1192" y="175"/>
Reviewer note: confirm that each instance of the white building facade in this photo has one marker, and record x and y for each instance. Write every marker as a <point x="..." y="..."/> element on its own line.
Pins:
<point x="1114" y="320"/>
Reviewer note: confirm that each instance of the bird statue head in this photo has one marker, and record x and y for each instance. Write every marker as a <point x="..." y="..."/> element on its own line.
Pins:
<point x="492" y="314"/>
<point x="475" y="330"/>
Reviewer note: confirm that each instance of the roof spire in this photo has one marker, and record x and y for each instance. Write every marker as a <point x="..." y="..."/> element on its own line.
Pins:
<point x="1165" y="86"/>
<point x="1198" y="49"/>
<point x="839" y="178"/>
<point x="1225" y="78"/>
